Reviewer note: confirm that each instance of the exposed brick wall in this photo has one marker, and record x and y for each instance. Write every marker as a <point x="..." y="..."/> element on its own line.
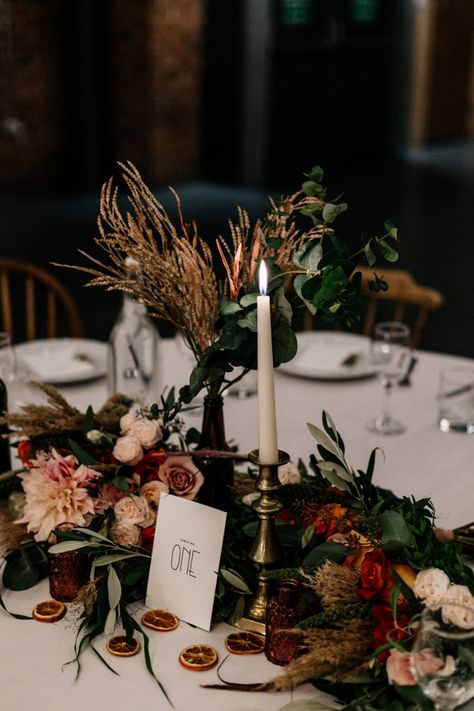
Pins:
<point x="32" y="91"/>
<point x="149" y="70"/>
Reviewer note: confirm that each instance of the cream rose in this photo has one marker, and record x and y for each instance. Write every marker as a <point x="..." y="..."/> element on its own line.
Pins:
<point x="289" y="474"/>
<point x="153" y="491"/>
<point x="461" y="610"/>
<point x="147" y="432"/>
<point x="128" y="450"/>
<point x="182" y="476"/>
<point x="431" y="585"/>
<point x="125" y="534"/>
<point x="126" y="421"/>
<point x="133" y="510"/>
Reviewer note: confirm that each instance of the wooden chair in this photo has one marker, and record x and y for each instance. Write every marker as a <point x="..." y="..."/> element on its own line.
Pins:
<point x="404" y="295"/>
<point x="34" y="304"/>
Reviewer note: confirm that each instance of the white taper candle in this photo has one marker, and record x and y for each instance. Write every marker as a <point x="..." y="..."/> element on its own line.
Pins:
<point x="267" y="430"/>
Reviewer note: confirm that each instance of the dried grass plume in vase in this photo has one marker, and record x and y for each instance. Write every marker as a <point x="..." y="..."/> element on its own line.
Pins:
<point x="217" y="317"/>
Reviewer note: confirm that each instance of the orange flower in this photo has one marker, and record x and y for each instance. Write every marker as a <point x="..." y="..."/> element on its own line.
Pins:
<point x="24" y="452"/>
<point x="375" y="578"/>
<point x="327" y="519"/>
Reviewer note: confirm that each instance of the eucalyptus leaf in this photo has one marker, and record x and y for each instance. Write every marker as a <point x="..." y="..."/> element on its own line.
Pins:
<point x="326" y="551"/>
<point x="298" y="282"/>
<point x="390" y="254"/>
<point x="396" y="533"/>
<point x="249" y="320"/>
<point x="283" y="305"/>
<point x="110" y="621"/>
<point x="309" y="255"/>
<point x="66" y="546"/>
<point x="341" y="472"/>
<point x="93" y="534"/>
<point x="249" y="299"/>
<point x="323" y="439"/>
<point x="331" y="211"/>
<point x="83" y="456"/>
<point x="228" y="307"/>
<point x="238" y="609"/>
<point x="114" y="587"/>
<point x="307" y="535"/>
<point x="235" y="580"/>
<point x="112" y="558"/>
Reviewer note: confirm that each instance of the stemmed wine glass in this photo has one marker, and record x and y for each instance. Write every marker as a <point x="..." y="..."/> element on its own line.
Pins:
<point x="442" y="656"/>
<point x="390" y="351"/>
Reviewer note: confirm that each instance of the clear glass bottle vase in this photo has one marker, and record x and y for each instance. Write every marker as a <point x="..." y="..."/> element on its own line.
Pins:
<point x="134" y="347"/>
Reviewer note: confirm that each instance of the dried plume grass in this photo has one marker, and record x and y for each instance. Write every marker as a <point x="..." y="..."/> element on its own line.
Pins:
<point x="177" y="281"/>
<point x="334" y="584"/>
<point x="333" y="653"/>
<point x="57" y="416"/>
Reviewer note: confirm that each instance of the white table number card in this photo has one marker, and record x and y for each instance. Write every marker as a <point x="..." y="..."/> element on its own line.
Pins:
<point x="185" y="560"/>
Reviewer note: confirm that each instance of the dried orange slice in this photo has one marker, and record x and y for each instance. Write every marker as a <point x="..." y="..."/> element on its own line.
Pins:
<point x="198" y="657"/>
<point x="160" y="620"/>
<point x="245" y="643"/>
<point x="49" y="611"/>
<point x="120" y="646"/>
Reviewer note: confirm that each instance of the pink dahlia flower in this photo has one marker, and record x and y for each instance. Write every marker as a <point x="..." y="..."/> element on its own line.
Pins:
<point x="56" y="492"/>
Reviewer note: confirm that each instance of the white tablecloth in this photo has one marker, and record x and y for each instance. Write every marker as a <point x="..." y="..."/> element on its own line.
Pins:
<point x="423" y="461"/>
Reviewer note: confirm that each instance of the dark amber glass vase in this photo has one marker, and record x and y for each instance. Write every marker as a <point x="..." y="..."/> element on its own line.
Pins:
<point x="284" y="610"/>
<point x="68" y="571"/>
<point x="218" y="473"/>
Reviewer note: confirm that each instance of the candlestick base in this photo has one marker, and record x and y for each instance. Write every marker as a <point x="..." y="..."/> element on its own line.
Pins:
<point x="265" y="551"/>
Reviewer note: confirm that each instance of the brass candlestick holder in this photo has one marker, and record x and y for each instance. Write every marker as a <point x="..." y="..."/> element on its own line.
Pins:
<point x="265" y="551"/>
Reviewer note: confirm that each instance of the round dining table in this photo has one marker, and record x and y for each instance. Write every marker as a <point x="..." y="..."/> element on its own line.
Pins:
<point x="421" y="462"/>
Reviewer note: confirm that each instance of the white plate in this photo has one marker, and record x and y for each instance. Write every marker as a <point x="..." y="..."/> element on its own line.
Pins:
<point x="63" y="360"/>
<point x="322" y="354"/>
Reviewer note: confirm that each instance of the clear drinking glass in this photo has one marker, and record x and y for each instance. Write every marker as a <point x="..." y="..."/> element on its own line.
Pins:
<point x="456" y="399"/>
<point x="390" y="351"/>
<point x="443" y="653"/>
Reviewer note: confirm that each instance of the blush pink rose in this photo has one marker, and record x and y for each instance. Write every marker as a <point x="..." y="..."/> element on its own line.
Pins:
<point x="128" y="450"/>
<point x="147" y="432"/>
<point x="182" y="476"/>
<point x="125" y="534"/>
<point x="289" y="474"/>
<point x="399" y="666"/>
<point x="152" y="491"/>
<point x="126" y="421"/>
<point x="133" y="510"/>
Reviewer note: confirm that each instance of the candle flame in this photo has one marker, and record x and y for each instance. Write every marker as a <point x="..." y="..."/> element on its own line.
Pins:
<point x="262" y="278"/>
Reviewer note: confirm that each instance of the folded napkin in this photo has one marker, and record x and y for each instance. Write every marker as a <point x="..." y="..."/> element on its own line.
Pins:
<point x="49" y="363"/>
<point x="331" y="357"/>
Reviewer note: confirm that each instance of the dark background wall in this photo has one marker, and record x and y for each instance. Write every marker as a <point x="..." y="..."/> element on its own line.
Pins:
<point x="230" y="101"/>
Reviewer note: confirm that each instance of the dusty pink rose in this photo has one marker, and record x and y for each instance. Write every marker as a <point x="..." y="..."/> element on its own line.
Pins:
<point x="182" y="476"/>
<point x="289" y="474"/>
<point x="56" y="491"/>
<point x="399" y="666"/>
<point x="133" y="510"/>
<point x="126" y="534"/>
<point x="152" y="492"/>
<point x="126" y="421"/>
<point x="128" y="450"/>
<point x="444" y="535"/>
<point x="148" y="432"/>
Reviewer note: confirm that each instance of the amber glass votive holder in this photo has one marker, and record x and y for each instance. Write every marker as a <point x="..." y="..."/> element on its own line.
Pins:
<point x="68" y="572"/>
